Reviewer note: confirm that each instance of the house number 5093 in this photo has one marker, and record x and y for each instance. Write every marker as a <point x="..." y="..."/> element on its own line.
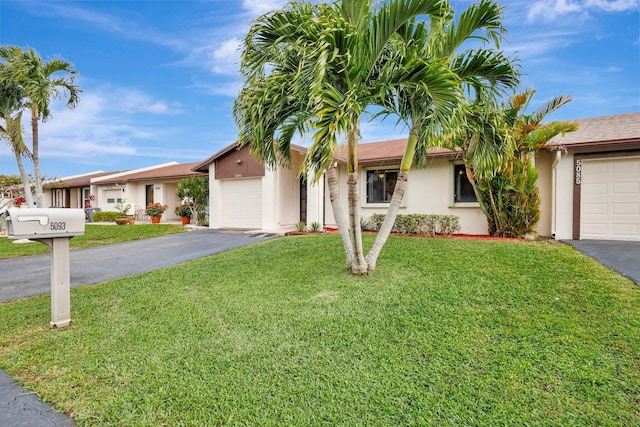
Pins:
<point x="578" y="172"/>
<point x="57" y="226"/>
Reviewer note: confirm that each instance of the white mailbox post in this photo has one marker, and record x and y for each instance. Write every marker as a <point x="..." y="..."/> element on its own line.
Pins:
<point x="52" y="227"/>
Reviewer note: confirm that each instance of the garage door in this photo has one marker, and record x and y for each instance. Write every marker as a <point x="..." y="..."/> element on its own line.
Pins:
<point x="242" y="203"/>
<point x="610" y="199"/>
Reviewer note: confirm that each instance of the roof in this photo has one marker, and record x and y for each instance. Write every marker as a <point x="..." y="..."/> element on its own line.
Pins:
<point x="391" y="151"/>
<point x="604" y="132"/>
<point x="76" y="180"/>
<point x="174" y="171"/>
<point x="204" y="166"/>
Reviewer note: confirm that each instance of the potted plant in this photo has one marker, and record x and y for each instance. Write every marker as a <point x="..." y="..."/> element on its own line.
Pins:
<point x="123" y="212"/>
<point x="184" y="213"/>
<point x="155" y="211"/>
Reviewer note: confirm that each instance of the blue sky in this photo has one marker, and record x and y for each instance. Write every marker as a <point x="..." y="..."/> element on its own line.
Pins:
<point x="159" y="77"/>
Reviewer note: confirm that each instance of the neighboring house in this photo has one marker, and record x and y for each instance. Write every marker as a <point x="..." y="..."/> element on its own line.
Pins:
<point x="589" y="183"/>
<point x="139" y="187"/>
<point x="244" y="194"/>
<point x="71" y="191"/>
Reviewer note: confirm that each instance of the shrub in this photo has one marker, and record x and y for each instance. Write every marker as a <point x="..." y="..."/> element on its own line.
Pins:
<point x="105" y="216"/>
<point x="301" y="226"/>
<point x="315" y="227"/>
<point x="182" y="211"/>
<point x="419" y="224"/>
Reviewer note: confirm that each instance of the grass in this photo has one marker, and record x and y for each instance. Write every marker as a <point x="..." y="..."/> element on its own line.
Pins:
<point x="447" y="332"/>
<point x="94" y="235"/>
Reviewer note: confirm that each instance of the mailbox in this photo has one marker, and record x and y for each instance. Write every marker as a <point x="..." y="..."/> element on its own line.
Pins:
<point x="44" y="223"/>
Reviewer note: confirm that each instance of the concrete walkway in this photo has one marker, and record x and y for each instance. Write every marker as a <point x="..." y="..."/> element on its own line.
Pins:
<point x="19" y="407"/>
<point x="620" y="256"/>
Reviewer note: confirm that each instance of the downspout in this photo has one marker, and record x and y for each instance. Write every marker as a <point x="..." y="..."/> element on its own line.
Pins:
<point x="554" y="183"/>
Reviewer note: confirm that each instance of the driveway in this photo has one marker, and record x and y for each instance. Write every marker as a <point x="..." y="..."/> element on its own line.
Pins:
<point x="31" y="275"/>
<point x="620" y="256"/>
<point x="28" y="276"/>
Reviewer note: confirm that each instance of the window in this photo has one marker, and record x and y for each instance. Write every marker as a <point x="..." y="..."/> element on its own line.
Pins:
<point x="463" y="190"/>
<point x="380" y="185"/>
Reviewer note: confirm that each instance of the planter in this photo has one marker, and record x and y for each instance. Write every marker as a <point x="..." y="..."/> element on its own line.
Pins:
<point x="155" y="219"/>
<point x="122" y="220"/>
<point x="185" y="220"/>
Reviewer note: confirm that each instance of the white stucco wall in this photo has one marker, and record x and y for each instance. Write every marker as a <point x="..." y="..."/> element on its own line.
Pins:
<point x="564" y="198"/>
<point x="215" y="202"/>
<point x="543" y="164"/>
<point x="429" y="191"/>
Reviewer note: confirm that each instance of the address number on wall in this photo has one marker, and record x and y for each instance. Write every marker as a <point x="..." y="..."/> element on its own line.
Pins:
<point x="578" y="172"/>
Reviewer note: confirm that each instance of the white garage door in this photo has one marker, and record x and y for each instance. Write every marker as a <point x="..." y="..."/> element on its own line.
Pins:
<point x="610" y="199"/>
<point x="242" y="203"/>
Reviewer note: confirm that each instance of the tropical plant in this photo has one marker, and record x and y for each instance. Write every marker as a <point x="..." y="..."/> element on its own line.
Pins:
<point x="497" y="146"/>
<point x="122" y="207"/>
<point x="182" y="211"/>
<point x="194" y="193"/>
<point x="301" y="226"/>
<point x="315" y="227"/>
<point x="316" y="67"/>
<point x="155" y="209"/>
<point x="435" y="47"/>
<point x="11" y="114"/>
<point x="39" y="83"/>
<point x="320" y="67"/>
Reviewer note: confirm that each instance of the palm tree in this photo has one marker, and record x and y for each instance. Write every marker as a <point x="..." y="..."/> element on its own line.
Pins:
<point x="427" y="60"/>
<point x="315" y="67"/>
<point x="40" y="82"/>
<point x="497" y="147"/>
<point x="10" y="104"/>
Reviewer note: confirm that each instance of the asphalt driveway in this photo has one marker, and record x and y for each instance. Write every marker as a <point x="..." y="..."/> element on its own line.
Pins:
<point x="28" y="276"/>
<point x="31" y="275"/>
<point x="620" y="256"/>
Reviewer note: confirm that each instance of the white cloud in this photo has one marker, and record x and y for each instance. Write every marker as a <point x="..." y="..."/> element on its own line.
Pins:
<point x="550" y="10"/>
<point x="227" y="57"/>
<point x="107" y="121"/>
<point x="258" y="7"/>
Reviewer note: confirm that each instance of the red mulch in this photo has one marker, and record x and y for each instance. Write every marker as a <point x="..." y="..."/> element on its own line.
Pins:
<point x="481" y="237"/>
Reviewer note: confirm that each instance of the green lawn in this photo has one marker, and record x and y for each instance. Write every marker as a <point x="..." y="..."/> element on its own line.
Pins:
<point x="447" y="332"/>
<point x="95" y="235"/>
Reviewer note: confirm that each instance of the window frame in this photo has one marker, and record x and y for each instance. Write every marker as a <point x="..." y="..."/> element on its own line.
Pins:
<point x="455" y="168"/>
<point x="365" y="186"/>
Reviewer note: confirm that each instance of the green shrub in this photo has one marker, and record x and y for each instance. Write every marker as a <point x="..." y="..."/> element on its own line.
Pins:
<point x="418" y="224"/>
<point x="105" y="216"/>
<point x="315" y="227"/>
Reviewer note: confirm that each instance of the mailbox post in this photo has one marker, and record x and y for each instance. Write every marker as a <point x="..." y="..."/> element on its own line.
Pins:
<point x="52" y="227"/>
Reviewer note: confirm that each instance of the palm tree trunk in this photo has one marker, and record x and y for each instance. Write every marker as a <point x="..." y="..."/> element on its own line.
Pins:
<point x="25" y="180"/>
<point x="339" y="214"/>
<point x="14" y="133"/>
<point x="358" y="264"/>
<point x="396" y="200"/>
<point x="474" y="184"/>
<point x="35" y="151"/>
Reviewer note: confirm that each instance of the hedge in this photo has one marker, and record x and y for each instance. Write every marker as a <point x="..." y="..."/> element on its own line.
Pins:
<point x="105" y="216"/>
<point x="417" y="224"/>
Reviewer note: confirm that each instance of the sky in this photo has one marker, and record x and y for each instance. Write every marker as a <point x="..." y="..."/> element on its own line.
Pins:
<point x="159" y="77"/>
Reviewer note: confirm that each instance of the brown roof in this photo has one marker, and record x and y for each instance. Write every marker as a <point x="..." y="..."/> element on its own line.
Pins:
<point x="175" y="171"/>
<point x="604" y="132"/>
<point x="204" y="166"/>
<point x="76" y="181"/>
<point x="386" y="152"/>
